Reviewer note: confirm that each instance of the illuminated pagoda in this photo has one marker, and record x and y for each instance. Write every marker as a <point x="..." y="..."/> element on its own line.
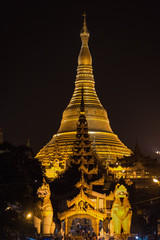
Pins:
<point x="107" y="144"/>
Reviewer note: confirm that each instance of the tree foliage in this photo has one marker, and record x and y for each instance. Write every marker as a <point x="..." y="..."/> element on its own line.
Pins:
<point x="20" y="176"/>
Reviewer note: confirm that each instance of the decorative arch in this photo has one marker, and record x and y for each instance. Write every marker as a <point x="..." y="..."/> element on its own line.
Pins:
<point x="94" y="221"/>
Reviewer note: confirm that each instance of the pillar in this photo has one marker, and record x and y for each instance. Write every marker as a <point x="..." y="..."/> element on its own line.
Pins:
<point x="97" y="204"/>
<point x="97" y="227"/>
<point x="104" y="205"/>
<point x="66" y="226"/>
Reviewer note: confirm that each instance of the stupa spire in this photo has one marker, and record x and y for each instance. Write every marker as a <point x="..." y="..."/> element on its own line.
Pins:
<point x="84" y="55"/>
<point x="84" y="20"/>
<point x="84" y="75"/>
<point x="84" y="34"/>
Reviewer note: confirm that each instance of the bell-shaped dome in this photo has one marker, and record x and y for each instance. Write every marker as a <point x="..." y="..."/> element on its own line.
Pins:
<point x="107" y="144"/>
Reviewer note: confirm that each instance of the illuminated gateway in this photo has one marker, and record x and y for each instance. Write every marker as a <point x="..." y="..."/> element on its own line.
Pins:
<point x="53" y="156"/>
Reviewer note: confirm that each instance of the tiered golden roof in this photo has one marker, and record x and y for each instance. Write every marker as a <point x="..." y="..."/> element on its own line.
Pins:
<point x="107" y="144"/>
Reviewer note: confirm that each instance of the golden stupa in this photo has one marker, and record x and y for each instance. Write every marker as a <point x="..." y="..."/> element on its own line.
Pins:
<point x="54" y="154"/>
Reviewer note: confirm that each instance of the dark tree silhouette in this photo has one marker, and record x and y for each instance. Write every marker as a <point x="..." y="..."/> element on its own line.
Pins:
<point x="20" y="176"/>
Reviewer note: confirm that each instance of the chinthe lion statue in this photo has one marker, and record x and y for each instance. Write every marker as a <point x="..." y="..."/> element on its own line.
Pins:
<point x="121" y="213"/>
<point x="43" y="211"/>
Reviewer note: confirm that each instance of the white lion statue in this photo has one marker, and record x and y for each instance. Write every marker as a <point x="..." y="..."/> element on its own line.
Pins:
<point x="43" y="211"/>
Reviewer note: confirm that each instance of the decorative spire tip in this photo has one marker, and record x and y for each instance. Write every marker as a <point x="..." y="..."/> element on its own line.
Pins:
<point x="84" y="16"/>
<point x="84" y="29"/>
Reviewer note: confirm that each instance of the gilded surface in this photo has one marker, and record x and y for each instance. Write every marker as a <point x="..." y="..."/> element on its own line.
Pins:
<point x="121" y="212"/>
<point x="82" y="207"/>
<point x="107" y="144"/>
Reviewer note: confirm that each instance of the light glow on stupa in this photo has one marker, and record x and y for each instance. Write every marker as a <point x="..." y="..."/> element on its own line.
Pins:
<point x="107" y="144"/>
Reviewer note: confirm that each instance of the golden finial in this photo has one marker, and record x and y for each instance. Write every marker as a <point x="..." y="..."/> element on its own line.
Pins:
<point x="84" y="56"/>
<point x="84" y="21"/>
<point x="84" y="29"/>
<point x="84" y="15"/>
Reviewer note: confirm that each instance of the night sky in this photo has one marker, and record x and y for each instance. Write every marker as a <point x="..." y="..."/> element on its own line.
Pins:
<point x="40" y="44"/>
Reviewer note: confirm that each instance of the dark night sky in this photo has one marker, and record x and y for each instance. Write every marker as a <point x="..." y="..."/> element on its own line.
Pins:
<point x="40" y="44"/>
